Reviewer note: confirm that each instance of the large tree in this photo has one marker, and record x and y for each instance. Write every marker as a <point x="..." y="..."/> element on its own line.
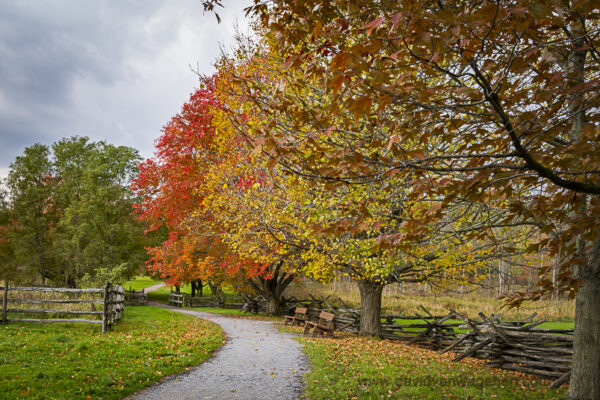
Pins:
<point x="32" y="213"/>
<point x="69" y="212"/>
<point x="167" y="186"/>
<point x="339" y="214"/>
<point x="493" y="101"/>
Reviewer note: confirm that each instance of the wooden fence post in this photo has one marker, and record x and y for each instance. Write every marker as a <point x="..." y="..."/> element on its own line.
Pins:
<point x="4" y="302"/>
<point x="105" y="307"/>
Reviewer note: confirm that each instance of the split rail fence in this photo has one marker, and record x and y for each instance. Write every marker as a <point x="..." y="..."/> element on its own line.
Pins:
<point x="133" y="297"/>
<point x="229" y="302"/>
<point x="177" y="300"/>
<point x="107" y="304"/>
<point x="511" y="345"/>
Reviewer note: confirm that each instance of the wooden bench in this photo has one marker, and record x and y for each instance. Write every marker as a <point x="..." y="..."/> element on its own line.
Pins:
<point x="324" y="326"/>
<point x="299" y="317"/>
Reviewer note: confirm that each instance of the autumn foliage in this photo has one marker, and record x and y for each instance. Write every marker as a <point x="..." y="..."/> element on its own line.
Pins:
<point x="167" y="187"/>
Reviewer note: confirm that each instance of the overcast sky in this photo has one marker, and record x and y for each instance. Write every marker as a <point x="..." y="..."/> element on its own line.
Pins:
<point x="111" y="70"/>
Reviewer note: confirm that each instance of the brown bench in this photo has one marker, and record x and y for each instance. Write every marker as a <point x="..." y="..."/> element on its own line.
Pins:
<point x="299" y="317"/>
<point x="324" y="326"/>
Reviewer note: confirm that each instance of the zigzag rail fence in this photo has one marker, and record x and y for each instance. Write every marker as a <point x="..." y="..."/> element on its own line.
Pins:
<point x="107" y="304"/>
<point x="510" y="345"/>
<point x="227" y="302"/>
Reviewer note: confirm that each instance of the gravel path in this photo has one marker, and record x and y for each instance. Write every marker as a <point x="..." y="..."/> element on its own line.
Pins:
<point x="154" y="287"/>
<point x="256" y="362"/>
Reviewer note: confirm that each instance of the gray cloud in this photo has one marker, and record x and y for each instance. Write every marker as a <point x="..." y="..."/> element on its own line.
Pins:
<point x="110" y="70"/>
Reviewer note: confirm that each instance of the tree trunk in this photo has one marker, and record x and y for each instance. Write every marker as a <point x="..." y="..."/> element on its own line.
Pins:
<point x="273" y="305"/>
<point x="370" y="308"/>
<point x="272" y="289"/>
<point x="585" y="373"/>
<point x="196" y="287"/>
<point x="215" y="290"/>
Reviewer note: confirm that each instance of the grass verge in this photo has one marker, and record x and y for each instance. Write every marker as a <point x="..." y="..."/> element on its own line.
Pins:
<point x="359" y="368"/>
<point x="160" y="295"/>
<point x="76" y="361"/>
<point x="545" y="325"/>
<point x="139" y="283"/>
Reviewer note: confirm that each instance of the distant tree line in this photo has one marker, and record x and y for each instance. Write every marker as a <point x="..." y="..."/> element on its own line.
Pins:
<point x="66" y="215"/>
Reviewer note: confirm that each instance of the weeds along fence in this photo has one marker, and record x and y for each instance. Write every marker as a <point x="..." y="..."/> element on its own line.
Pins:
<point x="93" y="306"/>
<point x="510" y="345"/>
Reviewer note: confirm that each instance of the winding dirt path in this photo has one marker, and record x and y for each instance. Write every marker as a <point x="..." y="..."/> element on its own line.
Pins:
<point x="256" y="362"/>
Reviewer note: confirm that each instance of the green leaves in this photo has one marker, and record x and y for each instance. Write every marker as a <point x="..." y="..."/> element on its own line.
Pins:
<point x="71" y="213"/>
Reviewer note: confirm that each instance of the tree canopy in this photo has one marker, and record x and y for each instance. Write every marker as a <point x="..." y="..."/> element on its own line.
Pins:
<point x="68" y="212"/>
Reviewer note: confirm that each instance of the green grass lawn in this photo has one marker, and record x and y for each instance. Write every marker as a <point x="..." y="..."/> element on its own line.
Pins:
<point x="545" y="325"/>
<point x="360" y="368"/>
<point x="77" y="361"/>
<point x="557" y="325"/>
<point x="162" y="294"/>
<point x="140" y="282"/>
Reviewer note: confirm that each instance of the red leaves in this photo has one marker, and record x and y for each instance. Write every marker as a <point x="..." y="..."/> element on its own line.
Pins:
<point x="167" y="183"/>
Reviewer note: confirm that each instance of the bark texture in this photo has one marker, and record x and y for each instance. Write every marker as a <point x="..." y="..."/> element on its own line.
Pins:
<point x="272" y="288"/>
<point x="370" y="308"/>
<point x="585" y="373"/>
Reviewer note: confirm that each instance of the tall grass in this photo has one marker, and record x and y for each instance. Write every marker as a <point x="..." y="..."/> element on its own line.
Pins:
<point x="407" y="303"/>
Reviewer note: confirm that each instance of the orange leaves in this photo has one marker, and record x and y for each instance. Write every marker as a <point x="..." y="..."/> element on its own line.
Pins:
<point x="340" y="61"/>
<point x="361" y="106"/>
<point x="168" y="183"/>
<point x="393" y="139"/>
<point x="373" y="25"/>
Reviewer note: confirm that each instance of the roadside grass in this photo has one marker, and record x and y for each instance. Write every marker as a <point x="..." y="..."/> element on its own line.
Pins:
<point x="545" y="325"/>
<point x="352" y="367"/>
<point x="557" y="325"/>
<point x="162" y="294"/>
<point x="77" y="361"/>
<point x="471" y="305"/>
<point x="159" y="296"/>
<point x="140" y="282"/>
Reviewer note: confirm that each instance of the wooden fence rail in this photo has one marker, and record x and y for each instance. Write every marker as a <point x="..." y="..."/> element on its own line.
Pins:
<point x="133" y="297"/>
<point x="229" y="302"/>
<point x="112" y="302"/>
<point x="512" y="345"/>
<point x="114" y="305"/>
<point x="177" y="300"/>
